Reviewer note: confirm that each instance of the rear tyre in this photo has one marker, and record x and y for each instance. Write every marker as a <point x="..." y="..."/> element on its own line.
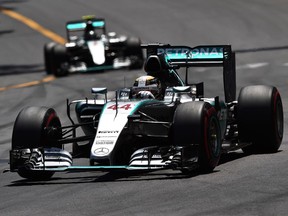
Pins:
<point x="197" y="123"/>
<point x="260" y="118"/>
<point x="29" y="132"/>
<point x="48" y="57"/>
<point x="134" y="52"/>
<point x="60" y="61"/>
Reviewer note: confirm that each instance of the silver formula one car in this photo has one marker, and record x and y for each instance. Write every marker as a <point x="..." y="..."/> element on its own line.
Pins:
<point x="160" y="122"/>
<point x="90" y="48"/>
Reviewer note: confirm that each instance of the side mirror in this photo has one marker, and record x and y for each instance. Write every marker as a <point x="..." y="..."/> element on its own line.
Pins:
<point x="100" y="91"/>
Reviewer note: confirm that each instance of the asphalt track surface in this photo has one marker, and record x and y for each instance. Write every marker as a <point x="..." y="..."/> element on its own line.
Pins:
<point x="240" y="185"/>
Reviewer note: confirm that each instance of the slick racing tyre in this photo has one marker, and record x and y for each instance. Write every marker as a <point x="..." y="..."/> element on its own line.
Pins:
<point x="48" y="57"/>
<point x="30" y="132"/>
<point x="134" y="52"/>
<point x="260" y="119"/>
<point x="59" y="59"/>
<point x="196" y="124"/>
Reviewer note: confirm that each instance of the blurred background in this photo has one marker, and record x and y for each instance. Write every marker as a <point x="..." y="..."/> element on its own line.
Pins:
<point x="250" y="185"/>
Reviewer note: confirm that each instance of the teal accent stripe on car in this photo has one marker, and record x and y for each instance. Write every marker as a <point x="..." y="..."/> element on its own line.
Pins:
<point x="75" y="26"/>
<point x="207" y="53"/>
<point x="195" y="53"/>
<point x="82" y="25"/>
<point x="97" y="68"/>
<point x="99" y="168"/>
<point x="178" y="77"/>
<point x="98" y="24"/>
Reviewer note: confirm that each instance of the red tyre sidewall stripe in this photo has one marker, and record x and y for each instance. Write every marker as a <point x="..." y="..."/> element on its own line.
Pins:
<point x="207" y="116"/>
<point x="276" y="94"/>
<point x="50" y="118"/>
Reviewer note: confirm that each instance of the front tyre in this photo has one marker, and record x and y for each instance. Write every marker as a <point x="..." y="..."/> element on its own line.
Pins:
<point x="48" y="57"/>
<point x="196" y="123"/>
<point x="60" y="60"/>
<point x="31" y="131"/>
<point x="260" y="118"/>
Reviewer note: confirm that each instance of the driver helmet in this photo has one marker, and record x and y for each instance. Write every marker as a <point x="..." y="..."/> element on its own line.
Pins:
<point x="146" y="87"/>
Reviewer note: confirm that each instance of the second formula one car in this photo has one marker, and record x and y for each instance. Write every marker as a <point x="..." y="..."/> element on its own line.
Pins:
<point x="90" y="48"/>
<point x="161" y="122"/>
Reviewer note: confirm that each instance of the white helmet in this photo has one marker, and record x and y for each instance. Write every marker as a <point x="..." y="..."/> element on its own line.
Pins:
<point x="147" y="84"/>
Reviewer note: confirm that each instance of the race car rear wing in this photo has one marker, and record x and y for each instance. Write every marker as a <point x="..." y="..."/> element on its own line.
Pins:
<point x="199" y="56"/>
<point x="79" y="25"/>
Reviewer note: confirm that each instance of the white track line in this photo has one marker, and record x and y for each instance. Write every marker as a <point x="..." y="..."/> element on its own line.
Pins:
<point x="252" y="65"/>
